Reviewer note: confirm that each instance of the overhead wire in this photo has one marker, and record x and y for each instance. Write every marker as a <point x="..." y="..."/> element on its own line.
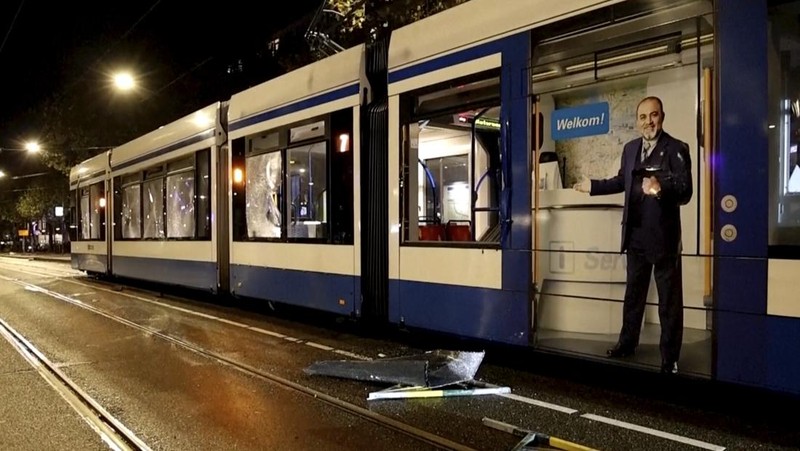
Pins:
<point x="11" y="26"/>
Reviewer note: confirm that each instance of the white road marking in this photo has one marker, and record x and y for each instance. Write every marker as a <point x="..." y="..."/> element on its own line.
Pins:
<point x="655" y="432"/>
<point x="319" y="346"/>
<point x="350" y="354"/>
<point x="538" y="403"/>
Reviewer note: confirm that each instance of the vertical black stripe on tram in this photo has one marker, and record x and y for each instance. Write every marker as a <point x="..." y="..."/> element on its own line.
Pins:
<point x="374" y="187"/>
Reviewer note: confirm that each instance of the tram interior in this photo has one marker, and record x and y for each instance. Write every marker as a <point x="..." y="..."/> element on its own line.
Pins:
<point x="578" y="269"/>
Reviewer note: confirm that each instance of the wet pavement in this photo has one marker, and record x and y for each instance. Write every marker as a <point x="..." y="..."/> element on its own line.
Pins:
<point x="32" y="415"/>
<point x="191" y="374"/>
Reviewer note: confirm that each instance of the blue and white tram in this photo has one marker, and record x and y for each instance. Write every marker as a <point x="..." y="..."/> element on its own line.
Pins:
<point x="424" y="181"/>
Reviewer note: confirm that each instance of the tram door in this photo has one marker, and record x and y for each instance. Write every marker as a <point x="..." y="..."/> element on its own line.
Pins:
<point x="586" y="88"/>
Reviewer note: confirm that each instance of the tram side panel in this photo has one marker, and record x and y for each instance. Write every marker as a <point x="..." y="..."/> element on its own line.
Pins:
<point x="163" y="204"/>
<point x="294" y="152"/>
<point x="454" y="266"/>
<point x="758" y="319"/>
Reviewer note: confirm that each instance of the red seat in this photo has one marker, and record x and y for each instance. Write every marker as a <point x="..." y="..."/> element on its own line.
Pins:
<point x="458" y="232"/>
<point x="431" y="232"/>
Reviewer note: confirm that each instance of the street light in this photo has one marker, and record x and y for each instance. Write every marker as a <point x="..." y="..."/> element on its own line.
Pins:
<point x="124" y="81"/>
<point x="30" y="147"/>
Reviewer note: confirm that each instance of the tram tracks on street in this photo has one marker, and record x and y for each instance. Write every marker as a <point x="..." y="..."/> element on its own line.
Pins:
<point x="54" y="270"/>
<point x="420" y="435"/>
<point x="113" y="432"/>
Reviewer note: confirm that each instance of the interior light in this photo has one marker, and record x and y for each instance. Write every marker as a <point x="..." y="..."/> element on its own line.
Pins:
<point x="102" y="202"/>
<point x="238" y="175"/>
<point x="618" y="59"/>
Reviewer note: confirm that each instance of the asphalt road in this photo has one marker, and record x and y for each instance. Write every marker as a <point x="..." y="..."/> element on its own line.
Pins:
<point x="184" y="373"/>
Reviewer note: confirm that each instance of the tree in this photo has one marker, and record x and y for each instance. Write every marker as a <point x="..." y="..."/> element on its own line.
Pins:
<point x="367" y="19"/>
<point x="40" y="198"/>
<point x="341" y="24"/>
<point x="74" y="129"/>
<point x="30" y="199"/>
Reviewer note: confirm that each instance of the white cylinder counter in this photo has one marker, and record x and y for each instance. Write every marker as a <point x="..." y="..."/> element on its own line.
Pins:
<point x="579" y="261"/>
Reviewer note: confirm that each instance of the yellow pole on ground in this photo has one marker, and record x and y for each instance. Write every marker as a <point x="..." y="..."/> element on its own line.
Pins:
<point x="534" y="438"/>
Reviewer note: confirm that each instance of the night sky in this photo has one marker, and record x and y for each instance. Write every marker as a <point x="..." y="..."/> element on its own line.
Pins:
<point x="51" y="47"/>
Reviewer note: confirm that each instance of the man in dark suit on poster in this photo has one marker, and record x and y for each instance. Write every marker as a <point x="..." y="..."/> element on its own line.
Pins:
<point x="655" y="174"/>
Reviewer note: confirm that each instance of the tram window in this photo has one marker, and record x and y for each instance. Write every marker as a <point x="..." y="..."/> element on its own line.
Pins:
<point x="263" y="193"/>
<point x="203" y="194"/>
<point x="130" y="205"/>
<point x="308" y="183"/>
<point x="72" y="216"/>
<point x="86" y="211"/>
<point x="784" y="126"/>
<point x="180" y="198"/>
<point x="307" y="131"/>
<point x="98" y="208"/>
<point x="153" y="205"/>
<point x="287" y="193"/>
<point x="451" y="158"/>
<point x="92" y="210"/>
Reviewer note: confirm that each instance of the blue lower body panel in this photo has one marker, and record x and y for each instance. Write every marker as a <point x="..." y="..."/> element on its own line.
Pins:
<point x="481" y="313"/>
<point x="90" y="262"/>
<point x="184" y="273"/>
<point x="784" y="346"/>
<point x="759" y="350"/>
<point x="334" y="293"/>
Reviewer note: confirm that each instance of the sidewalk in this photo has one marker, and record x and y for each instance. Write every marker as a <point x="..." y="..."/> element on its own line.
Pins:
<point x="39" y="256"/>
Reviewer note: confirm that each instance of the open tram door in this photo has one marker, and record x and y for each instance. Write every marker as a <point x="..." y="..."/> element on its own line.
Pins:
<point x="547" y="173"/>
<point x="587" y="82"/>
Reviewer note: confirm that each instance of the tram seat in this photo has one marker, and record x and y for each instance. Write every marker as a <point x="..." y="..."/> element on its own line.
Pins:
<point x="458" y="231"/>
<point x="431" y="232"/>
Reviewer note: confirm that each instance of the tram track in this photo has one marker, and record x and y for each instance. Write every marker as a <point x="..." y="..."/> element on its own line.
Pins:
<point x="420" y="435"/>
<point x="115" y="434"/>
<point x="35" y="268"/>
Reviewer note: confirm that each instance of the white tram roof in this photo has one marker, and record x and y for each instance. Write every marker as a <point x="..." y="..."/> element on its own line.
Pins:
<point x="89" y="169"/>
<point x="191" y="129"/>
<point x="335" y="78"/>
<point x="475" y="22"/>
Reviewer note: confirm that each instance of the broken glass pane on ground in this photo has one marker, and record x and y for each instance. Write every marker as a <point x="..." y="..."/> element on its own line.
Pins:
<point x="432" y="369"/>
<point x="435" y="373"/>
